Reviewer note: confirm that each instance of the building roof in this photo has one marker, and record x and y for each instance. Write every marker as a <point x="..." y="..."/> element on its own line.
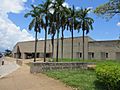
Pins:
<point x="104" y="41"/>
<point x="59" y="38"/>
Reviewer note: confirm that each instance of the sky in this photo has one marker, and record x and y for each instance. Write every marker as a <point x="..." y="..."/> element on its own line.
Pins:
<point x="14" y="27"/>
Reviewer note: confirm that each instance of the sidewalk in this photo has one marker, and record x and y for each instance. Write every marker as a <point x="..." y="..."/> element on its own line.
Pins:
<point x="8" y="68"/>
<point x="23" y="80"/>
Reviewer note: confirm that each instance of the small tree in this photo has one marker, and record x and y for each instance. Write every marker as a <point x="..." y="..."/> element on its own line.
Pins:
<point x="8" y="52"/>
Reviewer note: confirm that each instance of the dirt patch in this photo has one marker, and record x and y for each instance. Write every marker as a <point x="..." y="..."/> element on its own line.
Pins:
<point x="22" y="79"/>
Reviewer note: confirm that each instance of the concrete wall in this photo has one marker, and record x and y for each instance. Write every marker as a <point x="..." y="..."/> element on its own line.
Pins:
<point x="38" y="67"/>
<point x="28" y="47"/>
<point x="99" y="47"/>
<point x="111" y="47"/>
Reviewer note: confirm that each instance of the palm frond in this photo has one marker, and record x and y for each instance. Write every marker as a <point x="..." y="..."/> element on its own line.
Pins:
<point x="27" y="14"/>
<point x="32" y="24"/>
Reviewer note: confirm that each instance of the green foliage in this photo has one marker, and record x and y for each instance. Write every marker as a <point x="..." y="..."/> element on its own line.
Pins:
<point x="74" y="60"/>
<point x="80" y="79"/>
<point x="8" y="53"/>
<point x="109" y="9"/>
<point x="109" y="75"/>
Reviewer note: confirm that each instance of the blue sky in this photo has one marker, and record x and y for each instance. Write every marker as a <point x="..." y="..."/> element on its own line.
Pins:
<point x="14" y="27"/>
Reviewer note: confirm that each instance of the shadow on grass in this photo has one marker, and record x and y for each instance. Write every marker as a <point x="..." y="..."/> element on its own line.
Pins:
<point x="99" y="85"/>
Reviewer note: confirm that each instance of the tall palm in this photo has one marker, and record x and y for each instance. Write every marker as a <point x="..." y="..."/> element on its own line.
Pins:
<point x="52" y="31"/>
<point x="73" y="25"/>
<point x="85" y="23"/>
<point x="63" y="25"/>
<point x="58" y="7"/>
<point x="62" y="38"/>
<point x="45" y="10"/>
<point x="35" y="23"/>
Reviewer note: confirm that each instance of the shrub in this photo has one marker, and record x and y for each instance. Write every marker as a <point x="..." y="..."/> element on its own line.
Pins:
<point x="109" y="75"/>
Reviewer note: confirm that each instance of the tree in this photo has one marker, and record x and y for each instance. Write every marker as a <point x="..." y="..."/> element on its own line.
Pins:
<point x="85" y="22"/>
<point x="72" y="24"/>
<point x="109" y="9"/>
<point x="45" y="10"/>
<point x="52" y="31"/>
<point x="8" y="52"/>
<point x="58" y="7"/>
<point x="35" y="23"/>
<point x="63" y="24"/>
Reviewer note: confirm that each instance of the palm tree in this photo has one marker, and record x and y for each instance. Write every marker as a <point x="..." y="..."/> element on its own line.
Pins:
<point x="73" y="25"/>
<point x="62" y="38"/>
<point x="63" y="20"/>
<point x="52" y="31"/>
<point x="35" y="23"/>
<point x="58" y="7"/>
<point x="45" y="11"/>
<point x="85" y="23"/>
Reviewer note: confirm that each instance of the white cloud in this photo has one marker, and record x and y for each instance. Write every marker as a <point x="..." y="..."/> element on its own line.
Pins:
<point x="14" y="6"/>
<point x="10" y="33"/>
<point x="118" y="24"/>
<point x="65" y="4"/>
<point x="77" y="8"/>
<point x="91" y="9"/>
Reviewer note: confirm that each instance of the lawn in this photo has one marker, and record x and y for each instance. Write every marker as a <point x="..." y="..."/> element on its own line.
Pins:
<point x="79" y="60"/>
<point x="75" y="60"/>
<point x="80" y="79"/>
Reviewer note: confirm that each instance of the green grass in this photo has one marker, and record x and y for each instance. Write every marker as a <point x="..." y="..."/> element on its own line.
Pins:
<point x="80" y="79"/>
<point x="79" y="60"/>
<point x="74" y="60"/>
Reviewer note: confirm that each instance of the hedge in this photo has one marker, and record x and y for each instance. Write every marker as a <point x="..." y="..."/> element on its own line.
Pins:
<point x="109" y="75"/>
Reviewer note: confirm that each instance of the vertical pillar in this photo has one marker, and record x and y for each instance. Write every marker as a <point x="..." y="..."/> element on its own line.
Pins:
<point x="23" y="55"/>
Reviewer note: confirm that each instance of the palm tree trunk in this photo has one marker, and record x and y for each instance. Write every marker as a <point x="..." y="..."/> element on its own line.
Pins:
<point x="45" y="44"/>
<point x="62" y="45"/>
<point x="83" y="44"/>
<point x="72" y="46"/>
<point x="57" y="45"/>
<point x="52" y="48"/>
<point x="35" y="46"/>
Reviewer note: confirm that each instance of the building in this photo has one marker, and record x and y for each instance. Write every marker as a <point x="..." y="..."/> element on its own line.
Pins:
<point x="109" y="49"/>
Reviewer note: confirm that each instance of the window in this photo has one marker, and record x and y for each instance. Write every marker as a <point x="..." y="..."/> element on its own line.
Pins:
<point x="106" y="55"/>
<point x="92" y="55"/>
<point x="79" y="44"/>
<point x="80" y="55"/>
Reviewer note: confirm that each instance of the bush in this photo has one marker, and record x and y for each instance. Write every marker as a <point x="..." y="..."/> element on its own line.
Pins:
<point x="109" y="75"/>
